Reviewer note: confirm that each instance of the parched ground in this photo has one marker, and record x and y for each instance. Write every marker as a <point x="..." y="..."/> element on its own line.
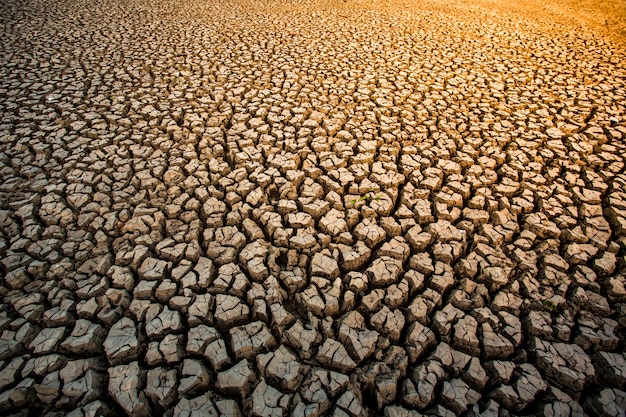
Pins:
<point x="312" y="208"/>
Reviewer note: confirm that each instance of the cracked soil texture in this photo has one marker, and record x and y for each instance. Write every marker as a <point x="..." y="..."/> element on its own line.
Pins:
<point x="312" y="208"/>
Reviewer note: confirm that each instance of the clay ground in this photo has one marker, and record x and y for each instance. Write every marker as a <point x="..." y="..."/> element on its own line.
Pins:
<point x="312" y="208"/>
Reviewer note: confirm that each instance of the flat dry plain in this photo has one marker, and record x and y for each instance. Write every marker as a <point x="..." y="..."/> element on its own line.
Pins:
<point x="312" y="208"/>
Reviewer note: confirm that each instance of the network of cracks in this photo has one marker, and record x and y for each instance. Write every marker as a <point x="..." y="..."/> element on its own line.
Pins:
<point x="326" y="209"/>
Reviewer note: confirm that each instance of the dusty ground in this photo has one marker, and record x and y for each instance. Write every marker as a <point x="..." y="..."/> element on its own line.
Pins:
<point x="315" y="208"/>
<point x="605" y="16"/>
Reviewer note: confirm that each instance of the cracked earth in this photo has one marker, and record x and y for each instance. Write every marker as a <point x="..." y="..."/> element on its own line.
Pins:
<point x="325" y="208"/>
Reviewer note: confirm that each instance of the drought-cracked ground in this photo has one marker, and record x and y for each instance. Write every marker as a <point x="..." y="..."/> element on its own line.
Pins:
<point x="311" y="208"/>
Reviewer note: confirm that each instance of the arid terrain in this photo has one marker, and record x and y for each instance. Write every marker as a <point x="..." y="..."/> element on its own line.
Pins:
<point x="347" y="208"/>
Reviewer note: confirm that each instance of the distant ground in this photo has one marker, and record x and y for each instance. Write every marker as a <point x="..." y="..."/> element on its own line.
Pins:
<point x="606" y="16"/>
<point x="603" y="16"/>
